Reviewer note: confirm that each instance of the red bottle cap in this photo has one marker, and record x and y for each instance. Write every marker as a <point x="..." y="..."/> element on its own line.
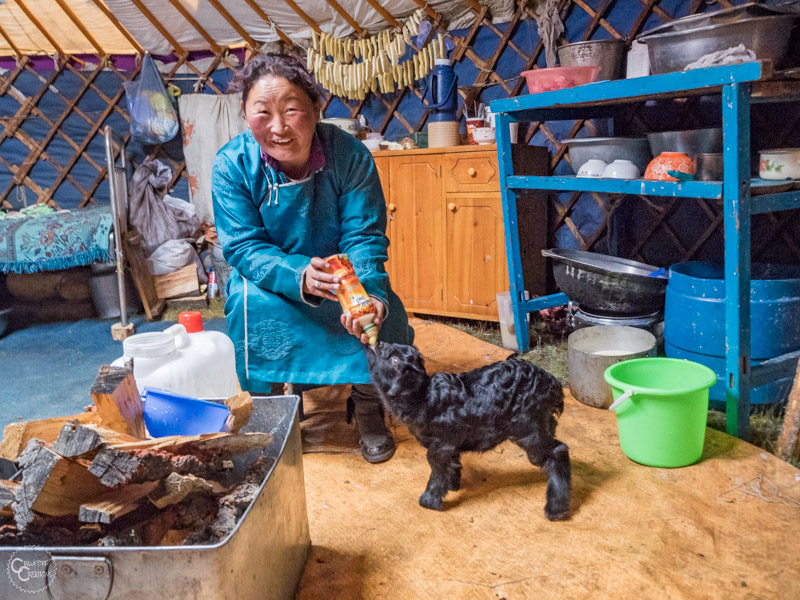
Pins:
<point x="192" y="320"/>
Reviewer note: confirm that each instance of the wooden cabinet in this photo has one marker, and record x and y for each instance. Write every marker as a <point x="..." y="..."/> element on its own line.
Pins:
<point x="447" y="244"/>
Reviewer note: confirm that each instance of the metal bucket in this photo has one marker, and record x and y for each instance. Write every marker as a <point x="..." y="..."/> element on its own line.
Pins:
<point x="592" y="350"/>
<point x="607" y="54"/>
<point x="263" y="557"/>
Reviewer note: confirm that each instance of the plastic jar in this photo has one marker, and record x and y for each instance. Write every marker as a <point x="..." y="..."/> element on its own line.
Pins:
<point x="199" y="363"/>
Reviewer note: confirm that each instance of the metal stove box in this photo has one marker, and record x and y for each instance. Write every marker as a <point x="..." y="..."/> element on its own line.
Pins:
<point x="263" y="557"/>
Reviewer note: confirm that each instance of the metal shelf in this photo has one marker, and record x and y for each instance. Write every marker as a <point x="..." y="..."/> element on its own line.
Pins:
<point x="738" y="86"/>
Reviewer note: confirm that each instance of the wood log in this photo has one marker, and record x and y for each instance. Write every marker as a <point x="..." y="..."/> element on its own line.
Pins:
<point x="7" y="491"/>
<point x="51" y="485"/>
<point x="182" y="282"/>
<point x="176" y="487"/>
<point x="115" y="467"/>
<point x="207" y="442"/>
<point x="240" y="405"/>
<point x="17" y="435"/>
<point x="115" y="503"/>
<point x="85" y="440"/>
<point x="788" y="447"/>
<point x="118" y="401"/>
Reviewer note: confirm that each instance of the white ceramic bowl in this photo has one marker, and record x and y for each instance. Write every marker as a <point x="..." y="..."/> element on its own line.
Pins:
<point x="372" y="144"/>
<point x="483" y="135"/>
<point x="593" y="167"/>
<point x="621" y="169"/>
<point x="782" y="163"/>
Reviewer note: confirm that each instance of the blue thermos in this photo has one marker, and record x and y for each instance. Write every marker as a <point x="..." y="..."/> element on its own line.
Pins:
<point x="443" y="85"/>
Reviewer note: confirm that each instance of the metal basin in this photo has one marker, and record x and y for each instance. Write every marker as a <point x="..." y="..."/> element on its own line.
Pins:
<point x="608" y="149"/>
<point x="607" y="54"/>
<point x="766" y="32"/>
<point x="689" y="141"/>
<point x="607" y="284"/>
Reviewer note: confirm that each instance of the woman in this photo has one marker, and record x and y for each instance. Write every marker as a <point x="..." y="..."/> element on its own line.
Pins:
<point x="288" y="192"/>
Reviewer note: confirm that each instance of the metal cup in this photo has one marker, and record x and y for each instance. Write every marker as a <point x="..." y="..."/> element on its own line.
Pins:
<point x="708" y="167"/>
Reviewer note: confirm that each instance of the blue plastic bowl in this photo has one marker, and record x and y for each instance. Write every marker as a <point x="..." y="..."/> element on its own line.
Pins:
<point x="167" y="413"/>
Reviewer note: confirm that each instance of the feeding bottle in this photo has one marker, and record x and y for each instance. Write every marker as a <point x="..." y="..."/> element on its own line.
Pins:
<point x="352" y="296"/>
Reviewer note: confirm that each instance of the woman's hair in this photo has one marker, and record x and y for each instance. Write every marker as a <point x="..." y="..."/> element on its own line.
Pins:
<point x="275" y="65"/>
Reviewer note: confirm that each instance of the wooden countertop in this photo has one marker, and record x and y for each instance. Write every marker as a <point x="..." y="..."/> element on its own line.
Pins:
<point x="449" y="150"/>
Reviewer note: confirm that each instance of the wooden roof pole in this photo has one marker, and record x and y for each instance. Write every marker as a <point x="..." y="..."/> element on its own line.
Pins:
<point x="74" y="18"/>
<point x="264" y="16"/>
<point x="193" y="22"/>
<point x="10" y="43"/>
<point x="428" y="10"/>
<point x="118" y="25"/>
<point x="41" y="28"/>
<point x="302" y="14"/>
<point x="234" y="23"/>
<point x="384" y="13"/>
<point x="343" y="13"/>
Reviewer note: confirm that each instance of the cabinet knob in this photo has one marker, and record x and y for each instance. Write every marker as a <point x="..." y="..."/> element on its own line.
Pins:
<point x="472" y="172"/>
<point x="392" y="207"/>
<point x="452" y="207"/>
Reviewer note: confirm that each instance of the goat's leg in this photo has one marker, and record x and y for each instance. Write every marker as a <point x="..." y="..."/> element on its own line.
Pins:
<point x="439" y="481"/>
<point x="454" y="473"/>
<point x="553" y="456"/>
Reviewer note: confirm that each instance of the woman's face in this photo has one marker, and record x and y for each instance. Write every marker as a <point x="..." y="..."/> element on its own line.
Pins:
<point x="282" y="118"/>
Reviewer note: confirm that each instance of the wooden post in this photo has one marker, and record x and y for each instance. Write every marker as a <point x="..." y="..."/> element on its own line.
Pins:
<point x="118" y="402"/>
<point x="789" y="440"/>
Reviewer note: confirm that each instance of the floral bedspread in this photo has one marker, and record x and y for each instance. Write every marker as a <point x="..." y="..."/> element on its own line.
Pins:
<point x="59" y="240"/>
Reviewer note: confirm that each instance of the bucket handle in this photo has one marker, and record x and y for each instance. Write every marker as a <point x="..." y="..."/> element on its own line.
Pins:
<point x="620" y="400"/>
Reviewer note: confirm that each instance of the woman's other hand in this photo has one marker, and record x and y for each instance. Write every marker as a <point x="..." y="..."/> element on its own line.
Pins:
<point x="354" y="326"/>
<point x="316" y="282"/>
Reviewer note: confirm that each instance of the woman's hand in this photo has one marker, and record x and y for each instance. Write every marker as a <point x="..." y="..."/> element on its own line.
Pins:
<point x="317" y="282"/>
<point x="354" y="326"/>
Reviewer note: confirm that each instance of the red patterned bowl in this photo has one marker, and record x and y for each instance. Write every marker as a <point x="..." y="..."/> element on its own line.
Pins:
<point x="669" y="161"/>
<point x="558" y="78"/>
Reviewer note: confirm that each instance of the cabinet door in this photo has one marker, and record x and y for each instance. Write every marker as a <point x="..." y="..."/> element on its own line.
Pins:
<point x="415" y="231"/>
<point x="475" y="254"/>
<point x="382" y="165"/>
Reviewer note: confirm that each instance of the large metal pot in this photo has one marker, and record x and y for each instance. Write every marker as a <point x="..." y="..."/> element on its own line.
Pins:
<point x="607" y="284"/>
<point x="608" y="54"/>
<point x="591" y="350"/>
<point x="764" y="31"/>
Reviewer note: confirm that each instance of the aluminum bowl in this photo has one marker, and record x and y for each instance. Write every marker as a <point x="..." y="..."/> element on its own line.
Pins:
<point x="673" y="46"/>
<point x="607" y="54"/>
<point x="609" y="149"/>
<point x="688" y="141"/>
<point x="607" y="284"/>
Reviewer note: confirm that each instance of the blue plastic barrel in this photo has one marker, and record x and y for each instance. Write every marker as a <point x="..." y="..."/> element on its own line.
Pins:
<point x="694" y="321"/>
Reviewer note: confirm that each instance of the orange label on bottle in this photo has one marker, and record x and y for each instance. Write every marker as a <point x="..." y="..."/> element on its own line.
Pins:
<point x="351" y="293"/>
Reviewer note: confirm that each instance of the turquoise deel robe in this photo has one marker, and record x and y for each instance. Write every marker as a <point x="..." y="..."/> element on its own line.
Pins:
<point x="270" y="227"/>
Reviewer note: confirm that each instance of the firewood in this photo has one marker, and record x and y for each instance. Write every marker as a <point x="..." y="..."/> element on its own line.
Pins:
<point x="17" y="435"/>
<point x="114" y="467"/>
<point x="51" y="485"/>
<point x="115" y="503"/>
<point x="7" y="490"/>
<point x="788" y="447"/>
<point x="240" y="405"/>
<point x="216" y="442"/>
<point x="175" y="537"/>
<point x="118" y="402"/>
<point x="176" y="487"/>
<point x="84" y="440"/>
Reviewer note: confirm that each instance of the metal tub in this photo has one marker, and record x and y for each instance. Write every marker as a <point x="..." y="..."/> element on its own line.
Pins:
<point x="263" y="557"/>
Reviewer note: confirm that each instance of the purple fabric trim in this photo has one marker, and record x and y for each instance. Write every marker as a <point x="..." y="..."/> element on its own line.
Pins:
<point x="316" y="158"/>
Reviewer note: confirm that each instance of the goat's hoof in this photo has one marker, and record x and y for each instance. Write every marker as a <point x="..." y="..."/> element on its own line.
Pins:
<point x="556" y="513"/>
<point x="454" y="485"/>
<point x="428" y="500"/>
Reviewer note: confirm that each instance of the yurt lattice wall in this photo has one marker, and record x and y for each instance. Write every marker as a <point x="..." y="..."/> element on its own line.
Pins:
<point x="53" y="111"/>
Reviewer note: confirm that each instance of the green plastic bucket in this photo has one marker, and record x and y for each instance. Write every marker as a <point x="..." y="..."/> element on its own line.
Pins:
<point x="662" y="407"/>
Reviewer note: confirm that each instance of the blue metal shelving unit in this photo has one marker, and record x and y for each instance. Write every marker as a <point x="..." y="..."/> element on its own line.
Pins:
<point x="738" y="86"/>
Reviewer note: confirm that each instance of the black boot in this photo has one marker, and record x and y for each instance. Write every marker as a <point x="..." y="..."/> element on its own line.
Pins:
<point x="376" y="441"/>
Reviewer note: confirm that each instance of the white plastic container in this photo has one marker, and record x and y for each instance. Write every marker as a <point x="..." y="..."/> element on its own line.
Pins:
<point x="506" y="313"/>
<point x="638" y="61"/>
<point x="200" y="364"/>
